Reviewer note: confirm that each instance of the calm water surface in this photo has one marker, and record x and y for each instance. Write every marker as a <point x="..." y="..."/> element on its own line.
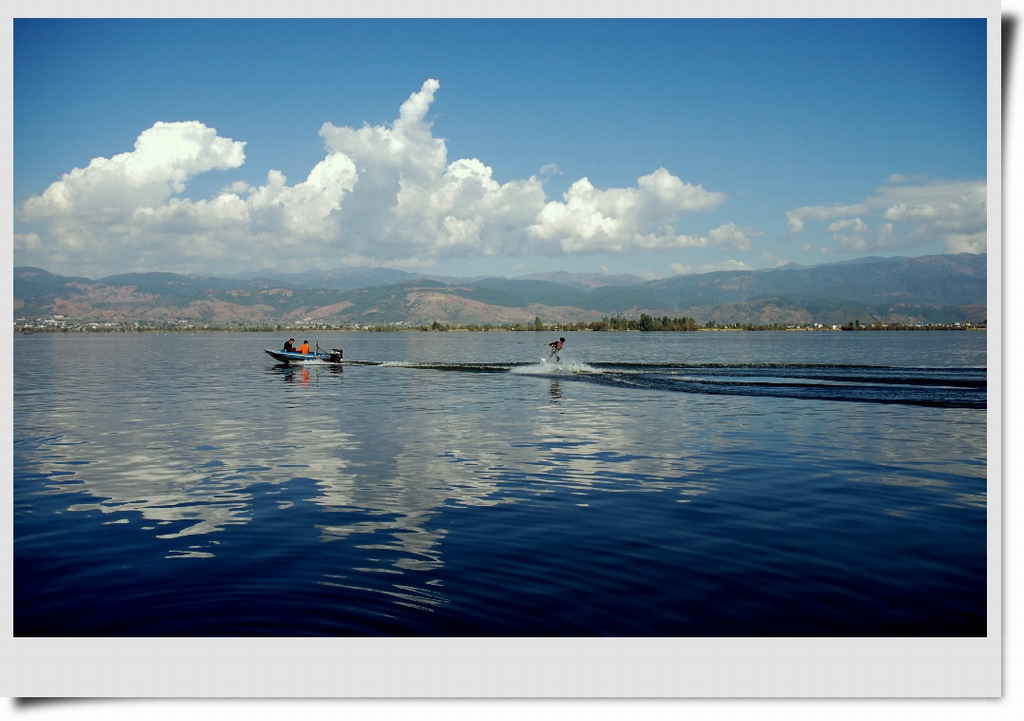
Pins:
<point x="682" y="484"/>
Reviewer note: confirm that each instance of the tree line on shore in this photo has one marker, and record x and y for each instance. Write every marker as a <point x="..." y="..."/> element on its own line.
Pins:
<point x="645" y="323"/>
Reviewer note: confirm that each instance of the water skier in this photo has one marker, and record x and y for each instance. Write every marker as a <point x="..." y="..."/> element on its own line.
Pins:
<point x="556" y="347"/>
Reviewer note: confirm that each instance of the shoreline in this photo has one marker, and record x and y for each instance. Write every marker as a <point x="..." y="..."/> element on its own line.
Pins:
<point x="389" y="329"/>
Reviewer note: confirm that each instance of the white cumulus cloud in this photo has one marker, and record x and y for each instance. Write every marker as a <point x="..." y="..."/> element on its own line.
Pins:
<point x="852" y="234"/>
<point x="165" y="157"/>
<point x="909" y="212"/>
<point x="726" y="265"/>
<point x="619" y="219"/>
<point x="382" y="195"/>
<point x="798" y="217"/>
<point x="733" y="237"/>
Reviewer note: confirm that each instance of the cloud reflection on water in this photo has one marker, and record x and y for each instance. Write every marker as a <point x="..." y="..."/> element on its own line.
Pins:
<point x="382" y="487"/>
<point x="192" y="479"/>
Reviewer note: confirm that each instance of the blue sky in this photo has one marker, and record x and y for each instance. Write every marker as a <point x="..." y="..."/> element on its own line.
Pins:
<point x="504" y="147"/>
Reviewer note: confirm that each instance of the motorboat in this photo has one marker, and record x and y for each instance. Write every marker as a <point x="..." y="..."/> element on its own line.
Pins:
<point x="294" y="357"/>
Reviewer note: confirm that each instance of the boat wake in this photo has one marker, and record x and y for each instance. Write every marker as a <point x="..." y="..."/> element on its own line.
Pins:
<point x="543" y="368"/>
<point x="964" y="387"/>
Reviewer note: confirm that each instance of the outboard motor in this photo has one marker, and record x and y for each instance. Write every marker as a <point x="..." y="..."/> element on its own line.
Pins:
<point x="335" y="355"/>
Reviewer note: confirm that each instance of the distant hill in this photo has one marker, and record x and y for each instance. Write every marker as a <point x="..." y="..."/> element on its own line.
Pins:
<point x="938" y="288"/>
<point x="935" y="279"/>
<point x="337" y="279"/>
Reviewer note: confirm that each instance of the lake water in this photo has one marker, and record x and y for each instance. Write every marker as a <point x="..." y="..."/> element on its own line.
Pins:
<point x="450" y="484"/>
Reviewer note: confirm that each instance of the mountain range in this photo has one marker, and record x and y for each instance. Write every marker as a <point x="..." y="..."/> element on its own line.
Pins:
<point x="926" y="289"/>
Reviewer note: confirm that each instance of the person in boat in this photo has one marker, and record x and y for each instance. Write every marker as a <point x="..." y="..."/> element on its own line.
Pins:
<point x="304" y="348"/>
<point x="289" y="346"/>
<point x="556" y="349"/>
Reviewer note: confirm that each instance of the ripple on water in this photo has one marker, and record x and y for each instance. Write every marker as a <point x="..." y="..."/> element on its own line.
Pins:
<point x="697" y="491"/>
